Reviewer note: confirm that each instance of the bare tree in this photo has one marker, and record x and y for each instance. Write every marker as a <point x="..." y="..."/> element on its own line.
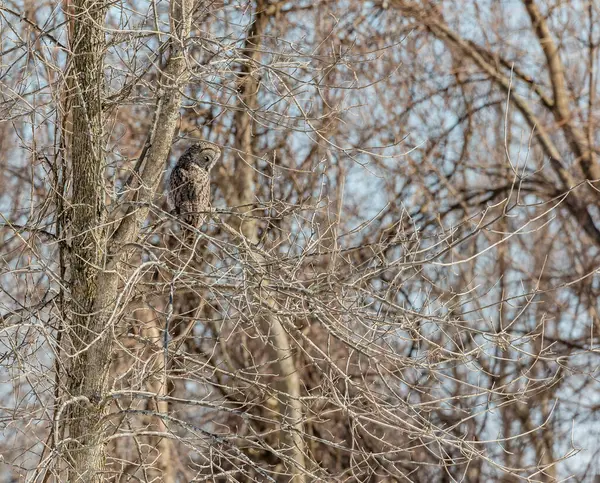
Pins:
<point x="397" y="278"/>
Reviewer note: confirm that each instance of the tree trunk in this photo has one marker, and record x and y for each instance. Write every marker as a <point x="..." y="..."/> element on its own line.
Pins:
<point x="164" y="468"/>
<point x="91" y="355"/>
<point x="96" y="261"/>
<point x="288" y="382"/>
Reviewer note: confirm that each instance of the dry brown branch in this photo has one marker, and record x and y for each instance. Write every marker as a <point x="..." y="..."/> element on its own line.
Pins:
<point x="398" y="277"/>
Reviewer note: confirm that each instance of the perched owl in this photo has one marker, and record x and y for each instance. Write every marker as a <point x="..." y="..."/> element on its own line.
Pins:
<point x="189" y="183"/>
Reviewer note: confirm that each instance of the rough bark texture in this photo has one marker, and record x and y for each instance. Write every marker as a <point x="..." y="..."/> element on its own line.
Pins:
<point x="97" y="266"/>
<point x="91" y="355"/>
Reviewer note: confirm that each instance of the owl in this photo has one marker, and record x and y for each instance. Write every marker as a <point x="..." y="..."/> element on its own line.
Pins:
<point x="189" y="183"/>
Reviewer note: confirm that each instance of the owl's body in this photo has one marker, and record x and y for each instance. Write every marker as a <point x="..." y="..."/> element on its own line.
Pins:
<point x="189" y="183"/>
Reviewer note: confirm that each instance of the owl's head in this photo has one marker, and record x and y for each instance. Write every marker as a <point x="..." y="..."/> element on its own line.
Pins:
<point x="203" y="154"/>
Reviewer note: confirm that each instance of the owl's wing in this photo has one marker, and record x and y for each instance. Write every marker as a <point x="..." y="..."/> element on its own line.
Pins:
<point x="189" y="193"/>
<point x="178" y="187"/>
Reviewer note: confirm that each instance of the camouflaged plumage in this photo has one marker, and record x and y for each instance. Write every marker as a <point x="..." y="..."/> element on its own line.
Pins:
<point x="189" y="183"/>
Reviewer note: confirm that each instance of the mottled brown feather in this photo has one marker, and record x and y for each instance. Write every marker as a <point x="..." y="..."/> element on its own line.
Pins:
<point x="189" y="183"/>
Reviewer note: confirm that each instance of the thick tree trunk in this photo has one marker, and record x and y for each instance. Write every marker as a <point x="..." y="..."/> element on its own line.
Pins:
<point x="91" y="356"/>
<point x="96" y="262"/>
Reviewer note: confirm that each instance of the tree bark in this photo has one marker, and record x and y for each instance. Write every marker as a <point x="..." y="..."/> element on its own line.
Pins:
<point x="164" y="467"/>
<point x="89" y="366"/>
<point x="97" y="258"/>
<point x="288" y="382"/>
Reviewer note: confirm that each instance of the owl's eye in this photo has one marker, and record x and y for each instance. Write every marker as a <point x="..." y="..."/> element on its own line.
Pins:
<point x="206" y="158"/>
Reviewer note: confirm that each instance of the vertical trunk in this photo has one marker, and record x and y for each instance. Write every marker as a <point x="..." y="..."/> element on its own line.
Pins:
<point x="290" y="407"/>
<point x="91" y="356"/>
<point x="164" y="467"/>
<point x="248" y="102"/>
<point x="96" y="262"/>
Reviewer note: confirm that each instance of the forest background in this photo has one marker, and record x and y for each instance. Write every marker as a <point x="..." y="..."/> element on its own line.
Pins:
<point x="397" y="281"/>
